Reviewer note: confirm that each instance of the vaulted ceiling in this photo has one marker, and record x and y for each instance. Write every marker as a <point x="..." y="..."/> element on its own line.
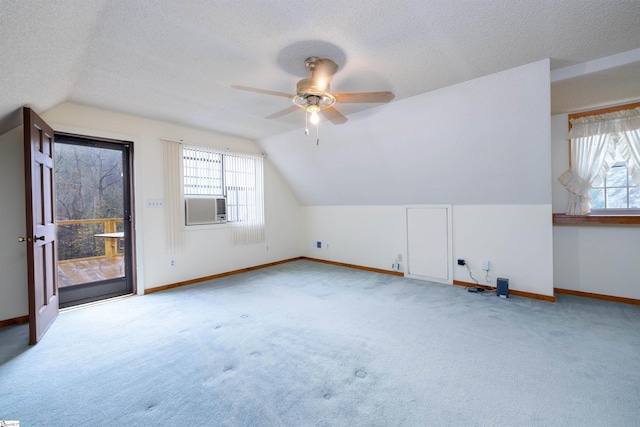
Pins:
<point x="175" y="61"/>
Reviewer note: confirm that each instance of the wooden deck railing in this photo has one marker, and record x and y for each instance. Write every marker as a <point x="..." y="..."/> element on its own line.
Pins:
<point x="109" y="225"/>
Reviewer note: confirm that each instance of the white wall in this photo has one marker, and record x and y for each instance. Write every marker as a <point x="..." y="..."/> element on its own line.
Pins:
<point x="369" y="236"/>
<point x="559" y="161"/>
<point x="208" y="250"/>
<point x="482" y="146"/>
<point x="596" y="259"/>
<point x="516" y="239"/>
<point x="484" y="141"/>
<point x="13" y="255"/>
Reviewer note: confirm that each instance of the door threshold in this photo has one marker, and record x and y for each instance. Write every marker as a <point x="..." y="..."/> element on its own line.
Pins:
<point x="94" y="303"/>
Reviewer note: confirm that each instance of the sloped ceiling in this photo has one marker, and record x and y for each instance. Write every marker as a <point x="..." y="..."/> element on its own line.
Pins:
<point x="175" y="60"/>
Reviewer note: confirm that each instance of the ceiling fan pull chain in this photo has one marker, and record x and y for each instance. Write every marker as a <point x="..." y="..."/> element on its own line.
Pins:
<point x="306" y="123"/>
<point x="317" y="134"/>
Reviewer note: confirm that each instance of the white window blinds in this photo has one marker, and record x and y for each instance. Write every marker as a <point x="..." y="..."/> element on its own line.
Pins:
<point x="202" y="171"/>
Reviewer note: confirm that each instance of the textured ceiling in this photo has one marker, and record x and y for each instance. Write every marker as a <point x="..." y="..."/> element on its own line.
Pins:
<point x="175" y="60"/>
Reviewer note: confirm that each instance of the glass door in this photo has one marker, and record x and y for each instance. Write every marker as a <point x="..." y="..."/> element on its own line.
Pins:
<point x="93" y="209"/>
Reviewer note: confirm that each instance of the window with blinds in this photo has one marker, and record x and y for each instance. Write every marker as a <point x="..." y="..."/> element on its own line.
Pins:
<point x="202" y="170"/>
<point x="237" y="177"/>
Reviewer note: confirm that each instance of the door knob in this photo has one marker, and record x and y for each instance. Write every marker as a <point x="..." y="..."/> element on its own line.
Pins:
<point x="21" y="239"/>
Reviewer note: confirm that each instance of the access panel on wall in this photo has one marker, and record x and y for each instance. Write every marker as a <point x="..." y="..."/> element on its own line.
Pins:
<point x="429" y="251"/>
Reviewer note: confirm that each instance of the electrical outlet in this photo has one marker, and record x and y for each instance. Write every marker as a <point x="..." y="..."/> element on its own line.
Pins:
<point x="461" y="261"/>
<point x="485" y="265"/>
<point x="326" y="245"/>
<point x="172" y="262"/>
<point x="399" y="257"/>
<point x="267" y="247"/>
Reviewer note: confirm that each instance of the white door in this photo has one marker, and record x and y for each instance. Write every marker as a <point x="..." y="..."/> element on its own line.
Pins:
<point x="429" y="252"/>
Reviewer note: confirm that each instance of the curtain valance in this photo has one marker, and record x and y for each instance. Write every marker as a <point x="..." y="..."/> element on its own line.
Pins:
<point x="616" y="122"/>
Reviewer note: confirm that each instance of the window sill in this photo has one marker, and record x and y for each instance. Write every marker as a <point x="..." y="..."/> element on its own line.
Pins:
<point x="562" y="219"/>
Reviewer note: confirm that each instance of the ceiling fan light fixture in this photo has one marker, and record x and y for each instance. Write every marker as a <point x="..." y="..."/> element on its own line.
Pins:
<point x="313" y="110"/>
<point x="320" y="100"/>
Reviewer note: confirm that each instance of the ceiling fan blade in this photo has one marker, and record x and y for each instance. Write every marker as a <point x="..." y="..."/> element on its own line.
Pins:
<point x="334" y="116"/>
<point x="361" y="97"/>
<point x="265" y="91"/>
<point x="283" y="112"/>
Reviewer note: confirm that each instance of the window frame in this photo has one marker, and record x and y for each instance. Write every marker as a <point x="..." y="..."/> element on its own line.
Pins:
<point x="627" y="187"/>
<point x="601" y="216"/>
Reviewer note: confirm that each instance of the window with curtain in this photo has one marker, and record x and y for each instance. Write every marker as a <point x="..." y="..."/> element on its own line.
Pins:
<point x="605" y="163"/>
<point x="236" y="176"/>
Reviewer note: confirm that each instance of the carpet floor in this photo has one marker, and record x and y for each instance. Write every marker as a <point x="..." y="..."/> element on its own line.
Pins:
<point x="310" y="344"/>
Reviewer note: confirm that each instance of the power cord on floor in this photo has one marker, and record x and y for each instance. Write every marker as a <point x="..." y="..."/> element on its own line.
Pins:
<point x="476" y="288"/>
<point x="488" y="292"/>
<point x="485" y="291"/>
<point x="471" y="275"/>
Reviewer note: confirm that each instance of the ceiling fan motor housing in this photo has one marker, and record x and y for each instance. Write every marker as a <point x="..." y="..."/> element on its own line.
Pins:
<point x="312" y="87"/>
<point x="312" y="92"/>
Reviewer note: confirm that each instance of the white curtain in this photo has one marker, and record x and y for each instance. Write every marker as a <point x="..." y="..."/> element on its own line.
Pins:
<point x="245" y="177"/>
<point x="595" y="143"/>
<point x="592" y="159"/>
<point x="633" y="153"/>
<point x="173" y="195"/>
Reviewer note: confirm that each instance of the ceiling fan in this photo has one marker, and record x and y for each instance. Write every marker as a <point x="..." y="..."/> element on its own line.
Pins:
<point x="313" y="94"/>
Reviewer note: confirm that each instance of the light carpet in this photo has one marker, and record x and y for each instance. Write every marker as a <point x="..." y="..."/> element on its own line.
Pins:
<point x="310" y="344"/>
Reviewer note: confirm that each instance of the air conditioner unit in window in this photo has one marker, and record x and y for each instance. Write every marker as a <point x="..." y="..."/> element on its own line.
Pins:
<point x="201" y="210"/>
